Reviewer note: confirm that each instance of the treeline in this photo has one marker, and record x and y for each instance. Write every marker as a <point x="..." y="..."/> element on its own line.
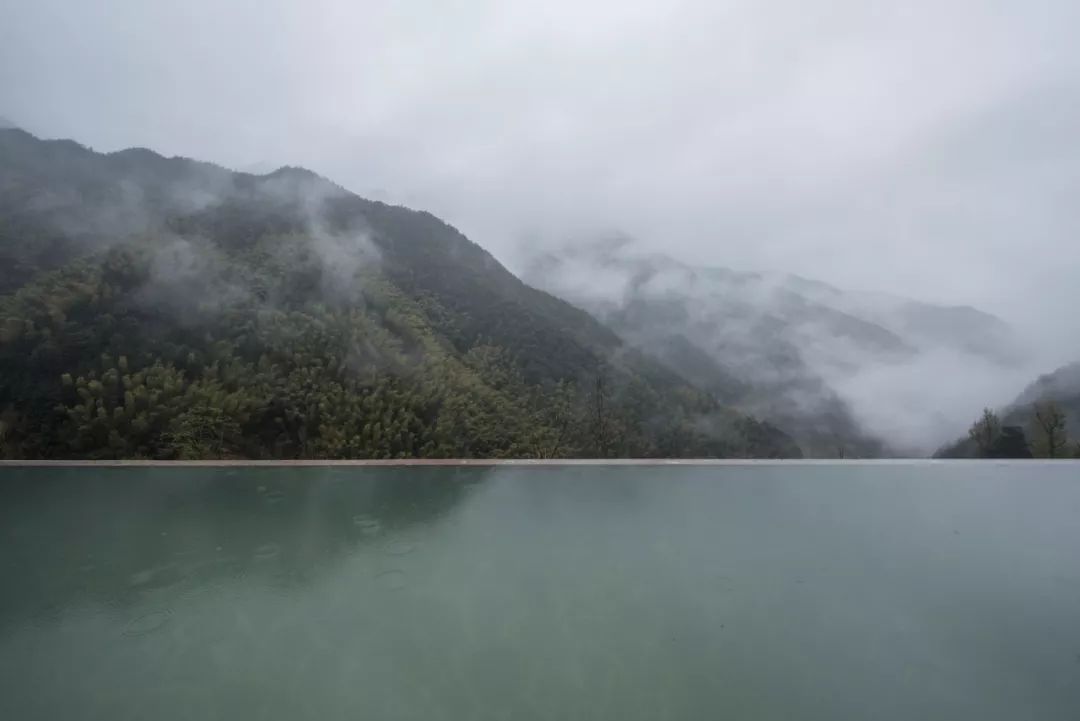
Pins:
<point x="164" y="308"/>
<point x="1045" y="435"/>
<point x="103" y="359"/>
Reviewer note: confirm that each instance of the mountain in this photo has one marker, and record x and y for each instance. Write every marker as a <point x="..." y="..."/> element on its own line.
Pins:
<point x="784" y="348"/>
<point x="166" y="308"/>
<point x="1062" y="387"/>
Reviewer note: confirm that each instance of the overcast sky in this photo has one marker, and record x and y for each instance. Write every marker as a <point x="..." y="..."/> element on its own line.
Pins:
<point x="927" y="147"/>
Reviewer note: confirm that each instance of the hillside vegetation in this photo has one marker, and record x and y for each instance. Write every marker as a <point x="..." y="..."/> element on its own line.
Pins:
<point x="1042" y="422"/>
<point x="844" y="372"/>
<point x="164" y="308"/>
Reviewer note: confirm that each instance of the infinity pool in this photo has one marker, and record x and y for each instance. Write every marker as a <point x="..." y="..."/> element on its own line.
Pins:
<point x="922" y="591"/>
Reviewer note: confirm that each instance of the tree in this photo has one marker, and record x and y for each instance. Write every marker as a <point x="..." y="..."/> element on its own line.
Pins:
<point x="556" y="421"/>
<point x="201" y="432"/>
<point x="601" y="435"/>
<point x="985" y="431"/>
<point x="1048" y="425"/>
<point x="233" y="332"/>
<point x="1011" y="444"/>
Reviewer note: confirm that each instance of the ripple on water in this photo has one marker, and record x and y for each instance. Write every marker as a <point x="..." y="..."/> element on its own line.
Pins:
<point x="141" y="578"/>
<point x="274" y="496"/>
<point x="219" y="568"/>
<point x="237" y="570"/>
<point x="156" y="577"/>
<point x="399" y="548"/>
<point x="368" y="525"/>
<point x="392" y="579"/>
<point x="725" y="584"/>
<point x="291" y="578"/>
<point x="267" y="551"/>
<point x="148" y="623"/>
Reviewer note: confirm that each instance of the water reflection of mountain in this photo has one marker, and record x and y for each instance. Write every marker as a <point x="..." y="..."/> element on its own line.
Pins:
<point x="77" y="537"/>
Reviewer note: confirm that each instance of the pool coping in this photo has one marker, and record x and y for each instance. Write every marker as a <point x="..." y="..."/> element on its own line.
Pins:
<point x="526" y="462"/>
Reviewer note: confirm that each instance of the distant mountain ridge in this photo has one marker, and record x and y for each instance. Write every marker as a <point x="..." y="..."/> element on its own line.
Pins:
<point x="167" y="308"/>
<point x="779" y="346"/>
<point x="1061" y="387"/>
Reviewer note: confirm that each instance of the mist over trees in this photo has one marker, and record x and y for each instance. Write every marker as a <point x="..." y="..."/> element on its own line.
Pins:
<point x="844" y="372"/>
<point x="1047" y="435"/>
<point x="166" y="309"/>
<point x="1049" y="430"/>
<point x="985" y="432"/>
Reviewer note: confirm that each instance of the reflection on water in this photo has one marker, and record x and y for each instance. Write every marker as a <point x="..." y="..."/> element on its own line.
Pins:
<point x="148" y="622"/>
<point x="122" y="537"/>
<point x="929" y="592"/>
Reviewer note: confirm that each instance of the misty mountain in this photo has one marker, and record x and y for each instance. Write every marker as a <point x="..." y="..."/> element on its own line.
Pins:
<point x="795" y="351"/>
<point x="167" y="308"/>
<point x="1061" y="387"/>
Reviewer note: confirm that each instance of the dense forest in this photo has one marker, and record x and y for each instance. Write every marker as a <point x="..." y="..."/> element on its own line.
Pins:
<point x="168" y="309"/>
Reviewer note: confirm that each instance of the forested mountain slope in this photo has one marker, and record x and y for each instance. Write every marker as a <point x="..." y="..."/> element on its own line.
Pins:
<point x="816" y="360"/>
<point x="164" y="308"/>
<point x="1055" y="394"/>
<point x="1061" y="386"/>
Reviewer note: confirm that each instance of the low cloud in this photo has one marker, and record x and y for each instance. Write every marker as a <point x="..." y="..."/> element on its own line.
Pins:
<point x="930" y="400"/>
<point x="926" y="149"/>
<point x="911" y="374"/>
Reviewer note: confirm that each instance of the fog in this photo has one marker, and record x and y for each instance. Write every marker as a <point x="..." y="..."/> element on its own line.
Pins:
<point x="908" y="373"/>
<point x="924" y="149"/>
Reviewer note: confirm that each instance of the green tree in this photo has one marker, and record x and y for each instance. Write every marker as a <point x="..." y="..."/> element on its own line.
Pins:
<point x="601" y="412"/>
<point x="1010" y="444"/>
<point x="226" y="332"/>
<point x="1048" y="426"/>
<point x="985" y="432"/>
<point x="201" y="432"/>
<point x="557" y="422"/>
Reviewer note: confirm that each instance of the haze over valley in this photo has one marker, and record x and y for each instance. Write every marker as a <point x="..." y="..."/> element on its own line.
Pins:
<point x="654" y="228"/>
<point x="866" y="371"/>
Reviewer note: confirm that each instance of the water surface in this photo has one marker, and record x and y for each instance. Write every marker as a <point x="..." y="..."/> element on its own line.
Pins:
<point x="947" y="591"/>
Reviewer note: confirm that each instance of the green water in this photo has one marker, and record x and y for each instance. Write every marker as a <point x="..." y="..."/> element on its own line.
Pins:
<point x="760" y="592"/>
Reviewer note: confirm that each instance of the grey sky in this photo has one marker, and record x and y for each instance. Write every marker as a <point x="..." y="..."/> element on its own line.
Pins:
<point x="930" y="148"/>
